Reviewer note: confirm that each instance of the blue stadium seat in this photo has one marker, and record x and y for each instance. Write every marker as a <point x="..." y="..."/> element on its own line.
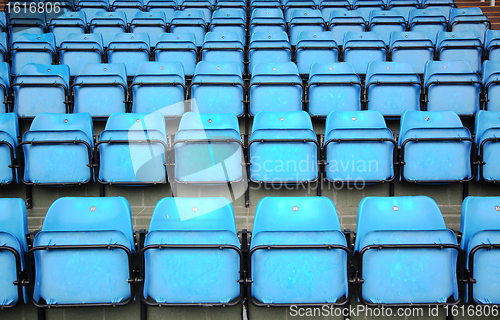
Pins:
<point x="343" y="21"/>
<point x="268" y="4"/>
<point x="57" y="149"/>
<point x="392" y="88"/>
<point x="24" y="22"/>
<point x="131" y="49"/>
<point x="192" y="21"/>
<point x="267" y="20"/>
<point x="407" y="256"/>
<point x="13" y="231"/>
<point x="167" y="7"/>
<point x="32" y="48"/>
<point x="129" y="7"/>
<point x="480" y="228"/>
<point x="224" y="47"/>
<point x="412" y="47"/>
<point x="41" y="88"/>
<point x="469" y="19"/>
<point x="491" y="81"/>
<point x="487" y="134"/>
<point x="327" y="6"/>
<point x="366" y="6"/>
<point x="444" y="6"/>
<point x="108" y="24"/>
<point x="132" y="149"/>
<point x="50" y="7"/>
<point x="333" y="87"/>
<point x="77" y="50"/>
<point x="360" y="48"/>
<point x="9" y="132"/>
<point x="435" y="147"/>
<point x="452" y="85"/>
<point x="385" y="22"/>
<point x="67" y="23"/>
<point x="204" y="6"/>
<point x="430" y="21"/>
<point x="275" y="87"/>
<point x="231" y="5"/>
<point x="315" y="47"/>
<point x="180" y="47"/>
<point x="283" y="148"/>
<point x="217" y="88"/>
<point x="93" y="8"/>
<point x="268" y="48"/>
<point x="227" y="21"/>
<point x="403" y="6"/>
<point x="100" y="89"/>
<point x="459" y="46"/>
<point x="304" y="20"/>
<point x="359" y="147"/>
<point x="492" y="45"/>
<point x="289" y="6"/>
<point x="159" y="86"/>
<point x="152" y="23"/>
<point x="190" y="223"/>
<point x="95" y="268"/>
<point x="208" y="150"/>
<point x="307" y="229"/>
<point x="4" y="86"/>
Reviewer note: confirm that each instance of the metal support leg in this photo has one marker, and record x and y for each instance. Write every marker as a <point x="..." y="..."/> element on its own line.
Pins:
<point x="29" y="197"/>
<point x="465" y="190"/>
<point x="101" y="190"/>
<point x="391" y="189"/>
<point x="144" y="311"/>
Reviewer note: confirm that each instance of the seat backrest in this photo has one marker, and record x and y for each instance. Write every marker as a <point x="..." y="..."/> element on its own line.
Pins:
<point x="427" y="119"/>
<point x="140" y="37"/>
<point x="115" y="16"/>
<point x="217" y="68"/>
<point x="318" y="68"/>
<point x="72" y="15"/>
<point x="193" y="214"/>
<point x="227" y="14"/>
<point x="443" y="36"/>
<point x="63" y="122"/>
<point x="397" y="213"/>
<point x="269" y="120"/>
<point x="271" y="36"/>
<point x="407" y="36"/>
<point x="161" y="68"/>
<point x="137" y="121"/>
<point x="177" y="37"/>
<point x="478" y="214"/>
<point x="275" y="69"/>
<point x="388" y="68"/>
<point x="354" y="119"/>
<point x="36" y="38"/>
<point x="306" y="14"/>
<point x="394" y="14"/>
<point x="103" y="69"/>
<point x="485" y="120"/>
<point x="490" y="36"/>
<point x="10" y="125"/>
<point x="427" y="14"/>
<point x="490" y="68"/>
<point x="203" y="121"/>
<point x="90" y="214"/>
<point x="361" y="36"/>
<point x="86" y="37"/>
<point x="315" y="36"/>
<point x="223" y="37"/>
<point x="35" y="69"/>
<point x="5" y="73"/>
<point x="433" y="68"/>
<point x="13" y="218"/>
<point x="154" y="15"/>
<point x="267" y="13"/>
<point x="457" y="12"/>
<point x="191" y="14"/>
<point x="295" y="214"/>
<point x="342" y="14"/>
